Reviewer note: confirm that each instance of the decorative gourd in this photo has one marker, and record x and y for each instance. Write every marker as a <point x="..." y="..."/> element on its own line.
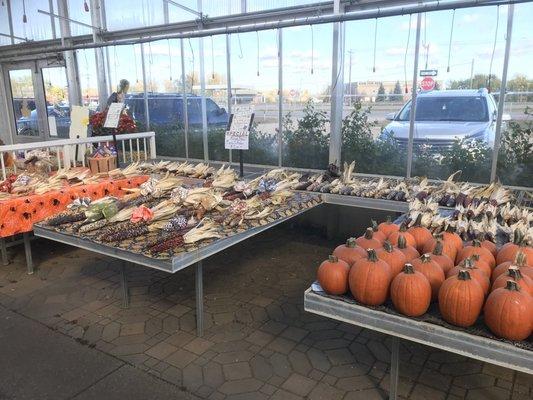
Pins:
<point x="448" y="247"/>
<point x="514" y="274"/>
<point x="475" y="273"/>
<point x="369" y="279"/>
<point x="410" y="292"/>
<point x="388" y="227"/>
<point x="460" y="299"/>
<point x="349" y="251"/>
<point x="476" y="248"/>
<point x="392" y="256"/>
<point x="378" y="235"/>
<point x="520" y="261"/>
<point x="449" y="235"/>
<point x="420" y="233"/>
<point x="367" y="241"/>
<point x="409" y="252"/>
<point x="332" y="275"/>
<point x="443" y="260"/>
<point x="509" y="250"/>
<point x="432" y="271"/>
<point x="509" y="312"/>
<point x="393" y="238"/>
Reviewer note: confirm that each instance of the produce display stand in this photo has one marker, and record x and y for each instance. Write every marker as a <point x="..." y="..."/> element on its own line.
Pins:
<point x="399" y="327"/>
<point x="172" y="265"/>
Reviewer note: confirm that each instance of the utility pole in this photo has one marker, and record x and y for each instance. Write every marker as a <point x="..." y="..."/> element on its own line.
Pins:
<point x="472" y="75"/>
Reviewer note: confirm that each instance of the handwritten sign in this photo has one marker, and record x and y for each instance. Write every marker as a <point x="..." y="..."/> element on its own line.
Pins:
<point x="238" y="135"/>
<point x="113" y="115"/>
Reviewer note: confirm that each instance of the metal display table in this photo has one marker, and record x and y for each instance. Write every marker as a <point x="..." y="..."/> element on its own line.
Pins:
<point x="172" y="265"/>
<point x="399" y="327"/>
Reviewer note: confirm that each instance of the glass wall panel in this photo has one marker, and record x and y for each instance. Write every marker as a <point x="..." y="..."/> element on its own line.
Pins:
<point x="515" y="159"/>
<point x="123" y="14"/>
<point x="254" y="82"/>
<point x="307" y="63"/>
<point x="24" y="107"/>
<point x="57" y="102"/>
<point x="77" y="12"/>
<point x="88" y="78"/>
<point x="4" y="26"/>
<point x="37" y="25"/>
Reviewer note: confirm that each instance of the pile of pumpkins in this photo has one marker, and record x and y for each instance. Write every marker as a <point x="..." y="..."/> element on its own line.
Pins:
<point x="413" y="268"/>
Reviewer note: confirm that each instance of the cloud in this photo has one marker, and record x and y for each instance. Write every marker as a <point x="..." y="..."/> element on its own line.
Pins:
<point x="469" y="18"/>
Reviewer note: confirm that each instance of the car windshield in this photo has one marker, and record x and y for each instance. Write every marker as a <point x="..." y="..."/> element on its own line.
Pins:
<point x="463" y="109"/>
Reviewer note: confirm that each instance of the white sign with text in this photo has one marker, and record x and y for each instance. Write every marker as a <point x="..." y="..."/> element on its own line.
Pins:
<point x="113" y="115"/>
<point x="238" y="135"/>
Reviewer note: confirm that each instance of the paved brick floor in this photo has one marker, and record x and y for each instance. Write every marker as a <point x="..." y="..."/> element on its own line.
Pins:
<point x="259" y="342"/>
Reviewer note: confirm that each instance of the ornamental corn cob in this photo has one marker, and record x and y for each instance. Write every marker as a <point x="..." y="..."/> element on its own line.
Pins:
<point x="133" y="230"/>
<point x="66" y="218"/>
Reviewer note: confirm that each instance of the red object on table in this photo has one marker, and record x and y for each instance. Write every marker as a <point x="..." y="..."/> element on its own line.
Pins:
<point x="19" y="214"/>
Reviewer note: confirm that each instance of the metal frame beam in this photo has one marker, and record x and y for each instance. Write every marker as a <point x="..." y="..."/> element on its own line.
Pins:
<point x="96" y="19"/>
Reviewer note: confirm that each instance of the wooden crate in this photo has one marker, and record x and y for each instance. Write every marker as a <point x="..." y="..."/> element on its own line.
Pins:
<point x="102" y="164"/>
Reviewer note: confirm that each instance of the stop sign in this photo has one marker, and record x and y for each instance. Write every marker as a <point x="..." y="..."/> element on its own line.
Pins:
<point x="428" y="83"/>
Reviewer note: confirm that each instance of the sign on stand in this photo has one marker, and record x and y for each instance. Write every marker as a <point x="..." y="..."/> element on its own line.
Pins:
<point x="113" y="115"/>
<point x="238" y="133"/>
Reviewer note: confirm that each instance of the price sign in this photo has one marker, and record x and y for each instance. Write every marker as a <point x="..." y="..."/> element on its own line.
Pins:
<point x="113" y="115"/>
<point x="238" y="134"/>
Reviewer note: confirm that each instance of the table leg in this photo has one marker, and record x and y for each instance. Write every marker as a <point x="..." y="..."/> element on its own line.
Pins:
<point x="394" y="368"/>
<point x="3" y="250"/>
<point x="27" y="250"/>
<point x="124" y="283"/>
<point x="199" y="300"/>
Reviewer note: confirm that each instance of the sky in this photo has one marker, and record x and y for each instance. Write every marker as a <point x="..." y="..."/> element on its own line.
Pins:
<point x="304" y="48"/>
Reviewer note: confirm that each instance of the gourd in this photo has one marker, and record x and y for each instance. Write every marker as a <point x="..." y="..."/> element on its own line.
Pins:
<point x="369" y="280"/>
<point x="402" y="232"/>
<point x="392" y="256"/>
<point x="332" y="275"/>
<point x="367" y="241"/>
<point x="432" y="271"/>
<point x="476" y="248"/>
<point x="378" y="235"/>
<point x="388" y="227"/>
<point x="475" y="273"/>
<point x="443" y="260"/>
<point x="514" y="274"/>
<point x="349" y="251"/>
<point x="460" y="299"/>
<point x="410" y="292"/>
<point x="421" y="234"/>
<point x="520" y="261"/>
<point x="509" y="250"/>
<point x="509" y="312"/>
<point x="409" y="251"/>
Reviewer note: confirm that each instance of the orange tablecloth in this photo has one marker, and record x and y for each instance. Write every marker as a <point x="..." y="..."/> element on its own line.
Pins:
<point x="19" y="214"/>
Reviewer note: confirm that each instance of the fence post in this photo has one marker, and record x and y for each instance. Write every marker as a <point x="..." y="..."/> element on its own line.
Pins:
<point x="152" y="147"/>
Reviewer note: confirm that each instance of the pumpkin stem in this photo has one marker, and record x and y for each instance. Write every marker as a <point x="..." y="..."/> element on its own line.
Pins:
<point x="512" y="285"/>
<point x="372" y="256"/>
<point x="468" y="263"/>
<point x="463" y="275"/>
<point x="374" y="225"/>
<point x="418" y="221"/>
<point x="333" y="258"/>
<point x="408" y="269"/>
<point x="402" y="243"/>
<point x="403" y="227"/>
<point x="520" y="259"/>
<point x="388" y="246"/>
<point x="438" y="248"/>
<point x="475" y="257"/>
<point x="514" y="272"/>
<point x="476" y="243"/>
<point x="517" y="237"/>
<point x="350" y="242"/>
<point x="389" y="219"/>
<point x="369" y="233"/>
<point x="425" y="258"/>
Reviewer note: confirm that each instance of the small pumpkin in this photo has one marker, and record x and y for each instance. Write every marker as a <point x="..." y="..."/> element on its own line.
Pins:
<point x="349" y="251"/>
<point x="475" y="273"/>
<point x="409" y="251"/>
<point x="509" y="312"/>
<point x="393" y="238"/>
<point x="448" y="247"/>
<point x="410" y="292"/>
<point x="443" y="260"/>
<point x="388" y="227"/>
<point x="449" y="235"/>
<point x="392" y="256"/>
<point x="461" y="299"/>
<point x="332" y="275"/>
<point x="520" y="261"/>
<point x="514" y="274"/>
<point x="476" y="248"/>
<point x="509" y="250"/>
<point x="432" y="271"/>
<point x="367" y="241"/>
<point x="369" y="279"/>
<point x="378" y="235"/>
<point x="420" y="233"/>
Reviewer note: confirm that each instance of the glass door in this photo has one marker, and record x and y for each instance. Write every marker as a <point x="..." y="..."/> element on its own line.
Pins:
<point x="55" y="90"/>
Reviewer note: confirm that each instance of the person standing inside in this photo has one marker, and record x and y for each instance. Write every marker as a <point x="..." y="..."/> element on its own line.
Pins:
<point x="120" y="94"/>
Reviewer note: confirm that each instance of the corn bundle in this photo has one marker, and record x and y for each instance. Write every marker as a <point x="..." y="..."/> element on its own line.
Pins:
<point x="66" y="218"/>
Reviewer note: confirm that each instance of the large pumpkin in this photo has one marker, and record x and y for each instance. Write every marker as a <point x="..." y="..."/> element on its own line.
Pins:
<point x="367" y="241"/>
<point x="378" y="235"/>
<point x="443" y="260"/>
<point x="432" y="271"/>
<point x="349" y="251"/>
<point x="460" y="299"/>
<point x="332" y="275"/>
<point x="392" y="256"/>
<point x="520" y="261"/>
<point x="448" y="247"/>
<point x="420" y="233"/>
<point x="388" y="227"/>
<point x="475" y="273"/>
<point x="476" y="248"/>
<point x="509" y="312"/>
<point x="402" y="232"/>
<point x="369" y="280"/>
<point x="509" y="250"/>
<point x="409" y="251"/>
<point x="410" y="292"/>
<point x="514" y="274"/>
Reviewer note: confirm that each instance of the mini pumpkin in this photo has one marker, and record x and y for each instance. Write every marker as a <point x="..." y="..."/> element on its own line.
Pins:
<point x="367" y="241"/>
<point x="410" y="292"/>
<point x="388" y="227"/>
<point x="349" y="251"/>
<point x="420" y="233"/>
<point x="409" y="251"/>
<point x="392" y="256"/>
<point x="476" y="248"/>
<point x="402" y="232"/>
<point x="432" y="271"/>
<point x="514" y="274"/>
<point x="369" y="279"/>
<point x="332" y="275"/>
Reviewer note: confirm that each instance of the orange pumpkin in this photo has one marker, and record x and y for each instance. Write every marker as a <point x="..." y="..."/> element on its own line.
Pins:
<point x="449" y="235"/>
<point x="509" y="250"/>
<point x="332" y="275"/>
<point x="409" y="252"/>
<point x="475" y="273"/>
<point x="480" y="264"/>
<point x="349" y="251"/>
<point x="448" y="247"/>
<point x="410" y="292"/>
<point x="392" y="256"/>
<point x="420" y="233"/>
<point x="388" y="227"/>
<point x="432" y="271"/>
<point x="476" y="248"/>
<point x="367" y="241"/>
<point x="460" y="299"/>
<point x="509" y="312"/>
<point x="369" y="280"/>
<point x="378" y="235"/>
<point x="514" y="274"/>
<point x="520" y="261"/>
<point x="490" y="246"/>
<point x="443" y="260"/>
<point x="393" y="238"/>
